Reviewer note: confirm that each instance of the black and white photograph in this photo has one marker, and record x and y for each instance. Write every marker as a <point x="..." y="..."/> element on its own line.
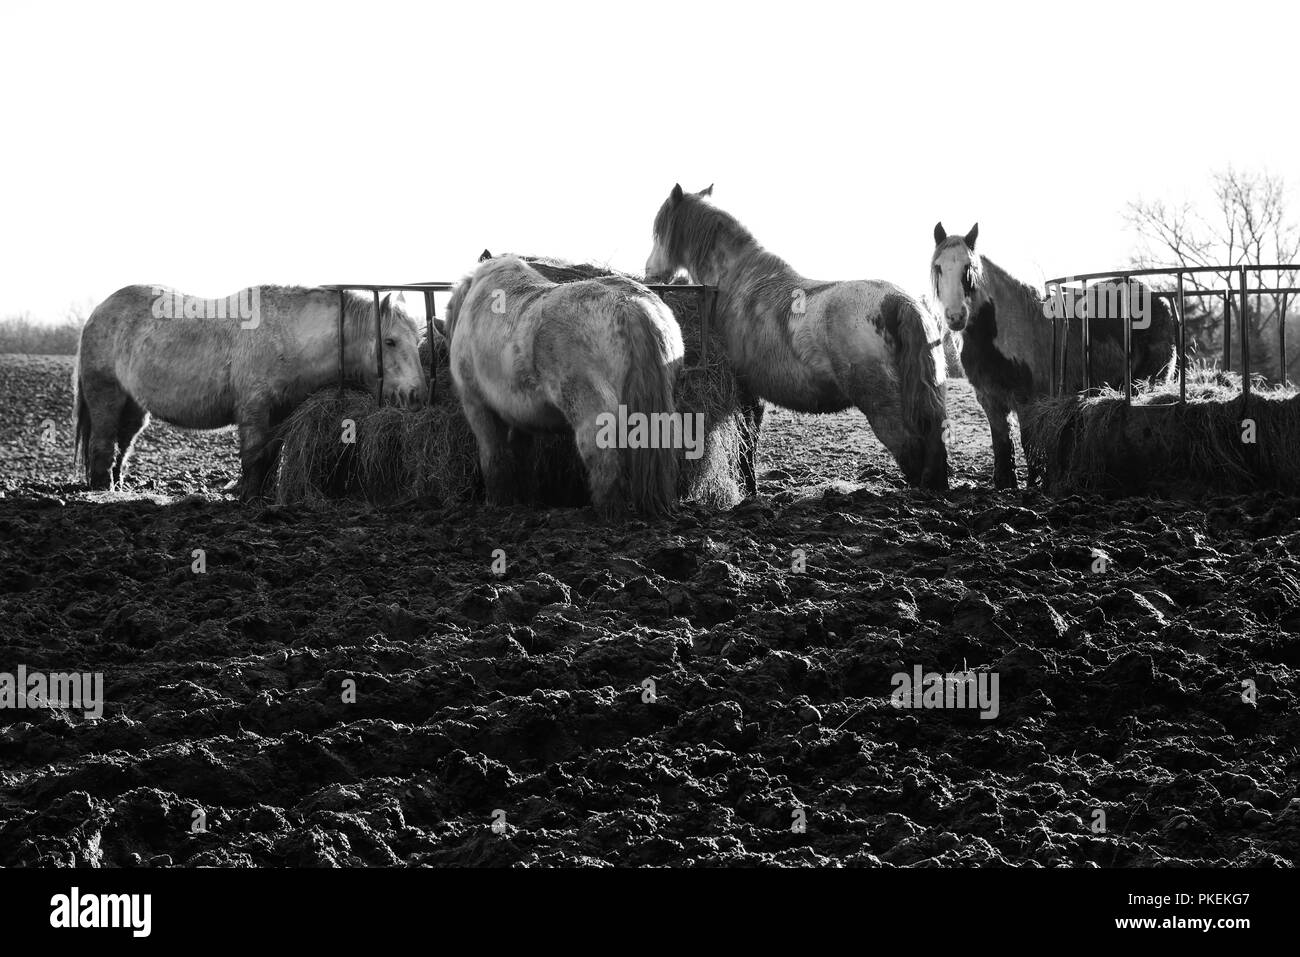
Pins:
<point x="611" y="459"/>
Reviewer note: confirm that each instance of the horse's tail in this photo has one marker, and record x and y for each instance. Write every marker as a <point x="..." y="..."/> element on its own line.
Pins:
<point x="921" y="388"/>
<point x="650" y="473"/>
<point x="80" y="420"/>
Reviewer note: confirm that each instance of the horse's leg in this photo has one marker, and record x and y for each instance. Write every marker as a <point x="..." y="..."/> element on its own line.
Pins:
<point x="998" y="413"/>
<point x="271" y="451"/>
<point x="872" y="389"/>
<point x="603" y="465"/>
<point x="492" y="437"/>
<point x="105" y="401"/>
<point x="521" y="465"/>
<point x="1032" y="473"/>
<point x="131" y="421"/>
<point x="752" y="413"/>
<point x="887" y="422"/>
<point x="254" y="437"/>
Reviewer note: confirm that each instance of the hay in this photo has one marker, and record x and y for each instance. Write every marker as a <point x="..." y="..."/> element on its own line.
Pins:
<point x="1097" y="444"/>
<point x="397" y="455"/>
<point x="429" y="454"/>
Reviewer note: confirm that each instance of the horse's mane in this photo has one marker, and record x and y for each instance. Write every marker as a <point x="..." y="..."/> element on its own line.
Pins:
<point x="1007" y="287"/>
<point x="693" y="228"/>
<point x="458" y="292"/>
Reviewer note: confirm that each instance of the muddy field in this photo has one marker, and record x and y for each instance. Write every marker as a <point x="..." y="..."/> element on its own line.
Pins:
<point x="352" y="686"/>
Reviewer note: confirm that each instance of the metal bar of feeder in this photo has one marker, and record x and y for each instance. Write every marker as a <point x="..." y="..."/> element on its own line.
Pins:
<point x="1182" y="345"/>
<point x="1200" y="293"/>
<point x="1052" y="385"/>
<point x="1227" y="327"/>
<point x="428" y="328"/>
<point x="1165" y="270"/>
<point x="1063" y="359"/>
<point x="394" y="286"/>
<point x="1127" y="311"/>
<point x="1086" y="333"/>
<point x="343" y="305"/>
<point x="1258" y="293"/>
<point x="1245" y="338"/>
<point x="379" y="353"/>
<point x="706" y="303"/>
<point x="706" y="324"/>
<point x="1281" y="342"/>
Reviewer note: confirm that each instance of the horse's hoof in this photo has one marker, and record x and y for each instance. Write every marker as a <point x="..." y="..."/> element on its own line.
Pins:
<point x="249" y="493"/>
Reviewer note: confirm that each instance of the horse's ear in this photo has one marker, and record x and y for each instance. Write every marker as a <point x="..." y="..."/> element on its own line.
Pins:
<point x="675" y="196"/>
<point x="940" y="234"/>
<point x="484" y="256"/>
<point x="972" y="236"/>
<point x="707" y="191"/>
<point x="386" y="304"/>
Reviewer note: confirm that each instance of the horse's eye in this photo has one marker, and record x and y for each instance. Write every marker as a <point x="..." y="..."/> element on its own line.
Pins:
<point x="938" y="270"/>
<point x="391" y="343"/>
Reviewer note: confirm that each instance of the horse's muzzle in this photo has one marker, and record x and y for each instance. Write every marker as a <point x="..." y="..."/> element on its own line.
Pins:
<point x="406" y="398"/>
<point x="958" y="322"/>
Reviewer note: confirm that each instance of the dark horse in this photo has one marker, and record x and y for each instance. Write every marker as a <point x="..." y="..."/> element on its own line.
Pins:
<point x="1005" y="333"/>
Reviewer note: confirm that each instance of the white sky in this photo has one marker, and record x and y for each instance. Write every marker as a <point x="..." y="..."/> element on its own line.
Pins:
<point x="215" y="147"/>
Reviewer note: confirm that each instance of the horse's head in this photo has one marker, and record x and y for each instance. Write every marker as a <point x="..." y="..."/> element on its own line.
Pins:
<point x="956" y="275"/>
<point x="405" y="383"/>
<point x="668" y="255"/>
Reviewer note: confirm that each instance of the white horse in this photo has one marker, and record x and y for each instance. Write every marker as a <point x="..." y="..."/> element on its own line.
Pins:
<point x="812" y="346"/>
<point x="248" y="360"/>
<point x="529" y="355"/>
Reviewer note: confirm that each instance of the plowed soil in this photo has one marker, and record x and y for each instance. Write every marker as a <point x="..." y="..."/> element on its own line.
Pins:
<point x="353" y="686"/>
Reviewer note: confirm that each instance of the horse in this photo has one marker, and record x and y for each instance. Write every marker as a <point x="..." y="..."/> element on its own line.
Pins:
<point x="532" y="356"/>
<point x="247" y="360"/>
<point x="812" y="346"/>
<point x="1005" y="330"/>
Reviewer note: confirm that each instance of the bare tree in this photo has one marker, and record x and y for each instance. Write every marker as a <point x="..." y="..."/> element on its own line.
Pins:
<point x="1247" y="223"/>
